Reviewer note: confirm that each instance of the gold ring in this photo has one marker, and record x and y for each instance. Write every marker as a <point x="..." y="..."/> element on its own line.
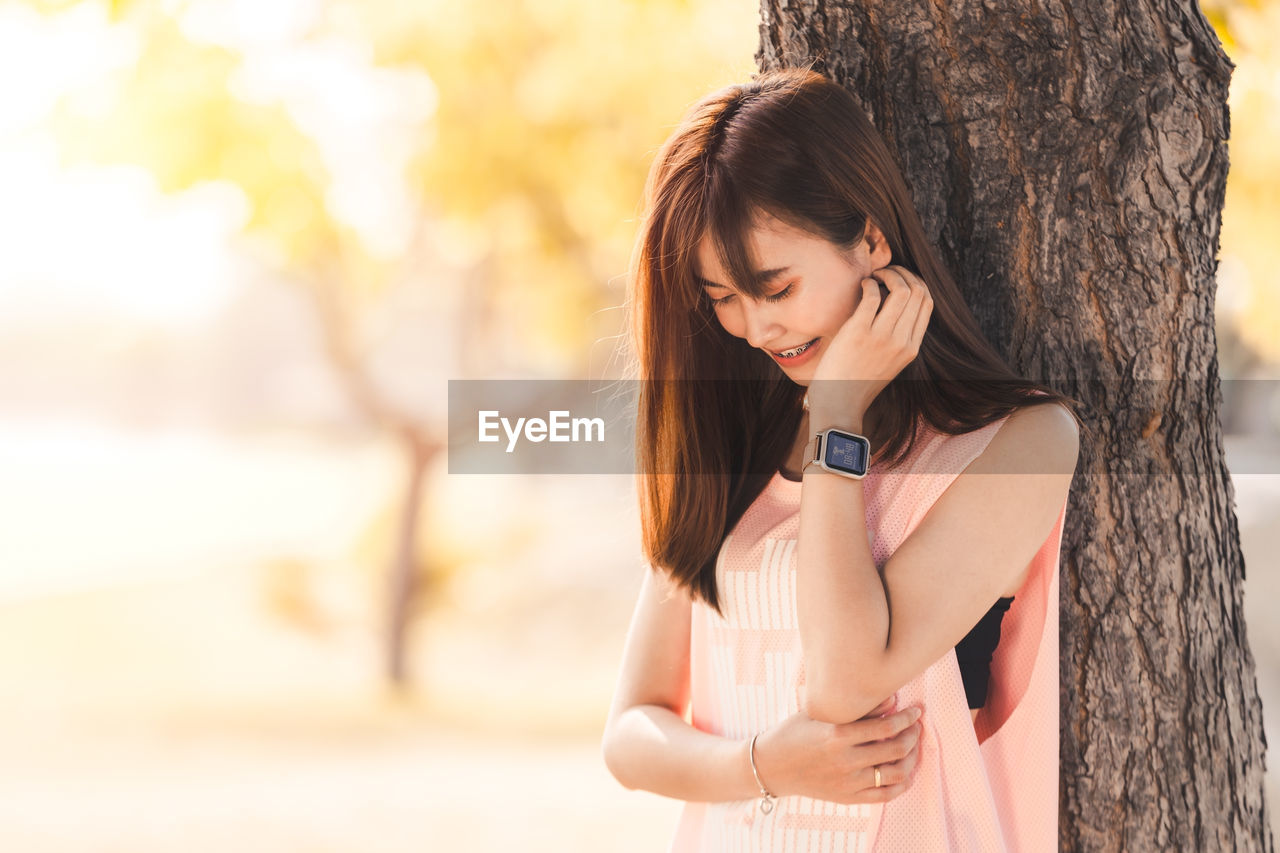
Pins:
<point x="877" y="769"/>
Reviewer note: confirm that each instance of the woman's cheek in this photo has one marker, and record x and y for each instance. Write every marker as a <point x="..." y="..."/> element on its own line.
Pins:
<point x="730" y="319"/>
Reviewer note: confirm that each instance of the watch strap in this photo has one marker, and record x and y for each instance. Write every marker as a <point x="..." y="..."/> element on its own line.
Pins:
<point x="812" y="452"/>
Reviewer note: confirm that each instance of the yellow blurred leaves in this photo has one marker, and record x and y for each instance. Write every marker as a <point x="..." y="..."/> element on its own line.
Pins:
<point x="175" y="113"/>
<point x="547" y="115"/>
<point x="1251" y="216"/>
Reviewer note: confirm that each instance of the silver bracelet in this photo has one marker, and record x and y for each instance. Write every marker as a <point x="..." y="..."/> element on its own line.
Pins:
<point x="766" y="799"/>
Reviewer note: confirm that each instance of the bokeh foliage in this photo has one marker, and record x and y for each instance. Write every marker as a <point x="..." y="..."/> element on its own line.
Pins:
<point x="1251" y="215"/>
<point x="547" y="115"/>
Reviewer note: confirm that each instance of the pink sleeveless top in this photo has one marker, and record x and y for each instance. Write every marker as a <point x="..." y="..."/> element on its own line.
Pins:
<point x="985" y="786"/>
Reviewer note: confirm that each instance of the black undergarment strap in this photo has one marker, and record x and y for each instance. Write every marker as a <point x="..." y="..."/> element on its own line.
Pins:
<point x="973" y="653"/>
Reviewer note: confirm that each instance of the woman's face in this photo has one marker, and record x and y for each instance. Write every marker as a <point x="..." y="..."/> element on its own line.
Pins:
<point x="812" y="287"/>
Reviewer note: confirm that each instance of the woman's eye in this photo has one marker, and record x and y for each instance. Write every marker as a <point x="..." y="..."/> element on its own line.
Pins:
<point x="773" y="297"/>
<point x="781" y="294"/>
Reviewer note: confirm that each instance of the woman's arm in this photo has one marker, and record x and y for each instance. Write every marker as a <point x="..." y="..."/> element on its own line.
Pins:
<point x="974" y="544"/>
<point x="648" y="744"/>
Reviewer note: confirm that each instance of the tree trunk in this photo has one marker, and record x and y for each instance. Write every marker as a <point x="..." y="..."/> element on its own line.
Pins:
<point x="403" y="582"/>
<point x="420" y="448"/>
<point x="1069" y="160"/>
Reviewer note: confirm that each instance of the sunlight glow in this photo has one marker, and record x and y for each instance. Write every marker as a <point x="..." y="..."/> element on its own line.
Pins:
<point x="97" y="241"/>
<point x="100" y="242"/>
<point x="54" y="55"/>
<point x="368" y="122"/>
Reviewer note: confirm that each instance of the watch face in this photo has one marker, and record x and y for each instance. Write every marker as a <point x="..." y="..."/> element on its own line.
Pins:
<point x="846" y="452"/>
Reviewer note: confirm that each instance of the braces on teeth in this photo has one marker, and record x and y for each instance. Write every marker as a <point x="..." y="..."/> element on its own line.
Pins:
<point x="794" y="352"/>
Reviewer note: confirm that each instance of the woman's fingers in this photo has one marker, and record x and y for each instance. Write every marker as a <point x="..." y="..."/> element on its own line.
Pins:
<point x="908" y="763"/>
<point x="837" y="761"/>
<point x="914" y="292"/>
<point x="895" y="303"/>
<point x="901" y="317"/>
<point x="882" y="794"/>
<point x="888" y="751"/>
<point x="878" y="728"/>
<point x="891" y="773"/>
<point x="896" y="760"/>
<point x="869" y="304"/>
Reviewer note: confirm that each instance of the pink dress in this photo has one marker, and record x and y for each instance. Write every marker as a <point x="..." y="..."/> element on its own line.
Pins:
<point x="989" y="786"/>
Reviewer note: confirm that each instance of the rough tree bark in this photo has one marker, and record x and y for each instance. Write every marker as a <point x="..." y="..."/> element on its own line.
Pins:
<point x="1069" y="160"/>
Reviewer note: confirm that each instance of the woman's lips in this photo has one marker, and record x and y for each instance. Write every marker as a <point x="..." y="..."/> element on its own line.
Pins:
<point x="795" y="360"/>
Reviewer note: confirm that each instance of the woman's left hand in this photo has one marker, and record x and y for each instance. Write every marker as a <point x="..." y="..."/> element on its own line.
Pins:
<point x="878" y="340"/>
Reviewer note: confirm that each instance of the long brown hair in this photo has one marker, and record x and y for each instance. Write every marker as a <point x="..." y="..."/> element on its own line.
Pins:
<point x="716" y="416"/>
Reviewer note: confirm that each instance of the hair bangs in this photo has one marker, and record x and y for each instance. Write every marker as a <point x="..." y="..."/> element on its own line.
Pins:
<point x="729" y="215"/>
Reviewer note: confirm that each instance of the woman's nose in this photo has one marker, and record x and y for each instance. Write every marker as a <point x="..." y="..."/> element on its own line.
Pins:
<point x="761" y="323"/>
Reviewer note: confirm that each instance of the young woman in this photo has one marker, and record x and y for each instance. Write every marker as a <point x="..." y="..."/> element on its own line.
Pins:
<point x="843" y="489"/>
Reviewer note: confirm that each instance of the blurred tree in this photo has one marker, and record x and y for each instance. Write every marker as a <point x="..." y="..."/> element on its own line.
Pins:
<point x="1070" y="161"/>
<point x="1248" y="305"/>
<point x="525" y="175"/>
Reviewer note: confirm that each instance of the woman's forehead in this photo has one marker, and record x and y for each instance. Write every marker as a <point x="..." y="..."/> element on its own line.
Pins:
<point x="771" y="247"/>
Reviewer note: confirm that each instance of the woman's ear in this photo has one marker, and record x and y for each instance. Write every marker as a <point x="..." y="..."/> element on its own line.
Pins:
<point x="877" y="247"/>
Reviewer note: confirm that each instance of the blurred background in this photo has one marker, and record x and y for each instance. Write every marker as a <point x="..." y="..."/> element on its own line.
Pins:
<point x="245" y="245"/>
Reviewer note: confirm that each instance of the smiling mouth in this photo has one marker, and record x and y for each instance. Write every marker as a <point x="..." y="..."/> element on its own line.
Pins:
<point x="792" y="353"/>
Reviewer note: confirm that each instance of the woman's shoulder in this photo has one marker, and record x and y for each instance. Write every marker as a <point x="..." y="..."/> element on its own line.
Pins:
<point x="1038" y="439"/>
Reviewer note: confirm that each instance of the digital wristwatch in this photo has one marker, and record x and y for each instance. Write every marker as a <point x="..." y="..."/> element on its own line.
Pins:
<point x="840" y="452"/>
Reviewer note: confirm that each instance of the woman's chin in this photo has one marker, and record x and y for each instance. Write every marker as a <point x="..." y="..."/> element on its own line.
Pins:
<point x="801" y="374"/>
<point x="804" y="374"/>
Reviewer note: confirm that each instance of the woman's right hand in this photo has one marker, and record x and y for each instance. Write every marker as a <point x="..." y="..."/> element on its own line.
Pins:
<point x="878" y="340"/>
<point x="837" y="761"/>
